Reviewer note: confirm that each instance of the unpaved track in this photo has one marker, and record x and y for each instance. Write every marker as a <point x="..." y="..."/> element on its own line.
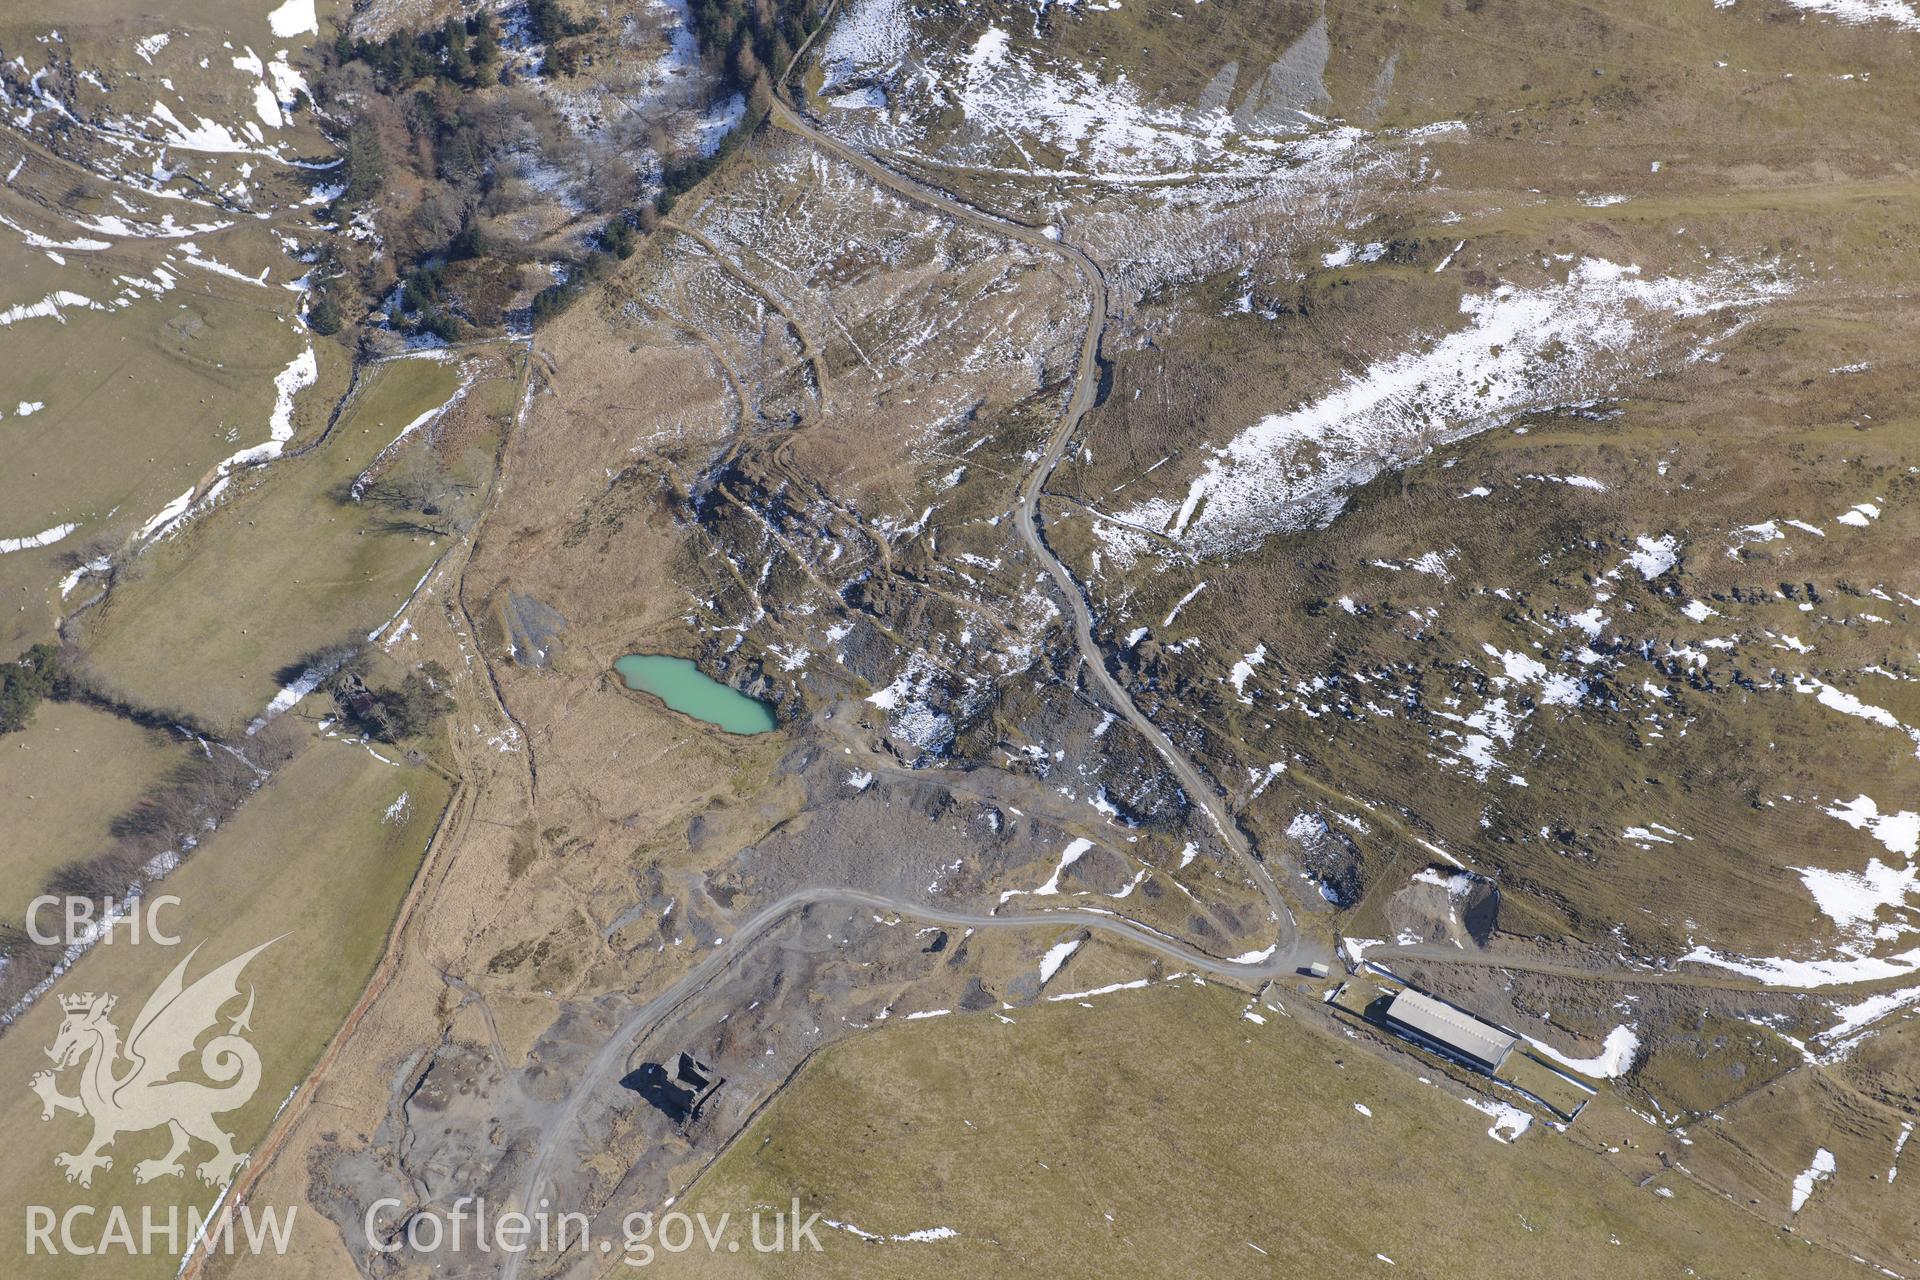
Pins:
<point x="1436" y="953"/>
<point x="1086" y="381"/>
<point x="446" y="838"/>
<point x="1287" y="954"/>
<point x="809" y="350"/>
<point x="613" y="1059"/>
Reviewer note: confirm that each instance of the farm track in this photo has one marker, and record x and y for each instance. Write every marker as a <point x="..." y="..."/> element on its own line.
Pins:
<point x="434" y="866"/>
<point x="809" y="350"/>
<point x="1086" y="379"/>
<point x="1287" y="955"/>
<point x="1433" y="953"/>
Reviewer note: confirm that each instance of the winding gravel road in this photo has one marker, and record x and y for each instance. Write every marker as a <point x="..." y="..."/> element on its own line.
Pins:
<point x="1086" y="381"/>
<point x="615" y="1057"/>
<point x="1287" y="955"/>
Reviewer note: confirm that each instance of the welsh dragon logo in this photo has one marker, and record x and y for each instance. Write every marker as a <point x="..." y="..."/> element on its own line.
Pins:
<point x="129" y="1088"/>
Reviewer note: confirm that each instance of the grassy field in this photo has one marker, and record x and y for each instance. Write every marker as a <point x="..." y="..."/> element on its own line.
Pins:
<point x="314" y="861"/>
<point x="175" y="314"/>
<point x="66" y="14"/>
<point x="66" y="777"/>
<point x="1857" y="1111"/>
<point x="137" y="404"/>
<point x="1156" y="1133"/>
<point x="207" y="622"/>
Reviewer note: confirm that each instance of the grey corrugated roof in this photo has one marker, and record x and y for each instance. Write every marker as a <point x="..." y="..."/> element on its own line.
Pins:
<point x="1443" y="1022"/>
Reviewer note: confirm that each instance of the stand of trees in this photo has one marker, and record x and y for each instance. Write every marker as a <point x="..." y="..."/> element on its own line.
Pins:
<point x="174" y="815"/>
<point x="455" y="146"/>
<point x="24" y="682"/>
<point x="413" y="708"/>
<point x="740" y="40"/>
<point x="412" y="103"/>
<point x="466" y="52"/>
<point x="551" y="24"/>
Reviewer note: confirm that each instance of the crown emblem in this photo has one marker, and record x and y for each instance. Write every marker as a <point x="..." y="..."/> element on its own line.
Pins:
<point x="85" y="1001"/>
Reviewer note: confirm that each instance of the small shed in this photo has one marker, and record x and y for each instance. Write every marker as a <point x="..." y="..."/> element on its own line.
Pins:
<point x="1451" y="1032"/>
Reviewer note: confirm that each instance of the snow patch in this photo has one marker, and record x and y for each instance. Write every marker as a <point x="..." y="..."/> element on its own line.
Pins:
<point x="1056" y="956"/>
<point x="1860" y="12"/>
<point x="1654" y="556"/>
<point x="45" y="538"/>
<point x="1615" y="1058"/>
<point x="1068" y="856"/>
<point x="1520" y="349"/>
<point x="295" y="17"/>
<point x="1821" y="1170"/>
<point x="1509" y="1121"/>
<point x="1900" y="832"/>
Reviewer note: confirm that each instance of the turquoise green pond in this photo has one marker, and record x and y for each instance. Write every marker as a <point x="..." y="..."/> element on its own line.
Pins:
<point x="682" y="686"/>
